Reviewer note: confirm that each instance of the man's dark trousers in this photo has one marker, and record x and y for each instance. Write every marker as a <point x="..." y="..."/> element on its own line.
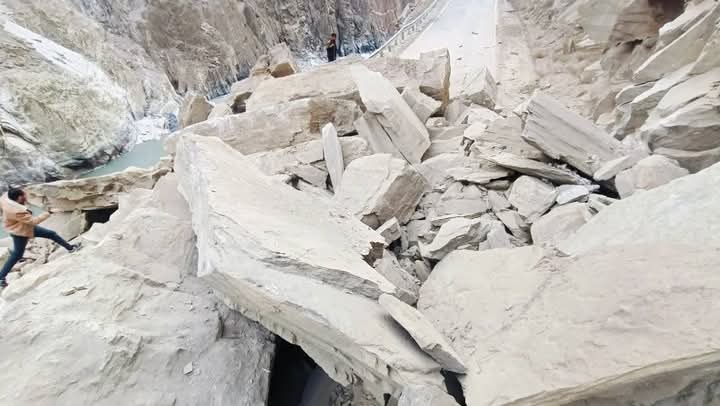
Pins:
<point x="20" y="243"/>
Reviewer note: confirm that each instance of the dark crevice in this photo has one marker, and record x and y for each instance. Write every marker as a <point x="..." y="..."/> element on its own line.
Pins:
<point x="452" y="384"/>
<point x="98" y="216"/>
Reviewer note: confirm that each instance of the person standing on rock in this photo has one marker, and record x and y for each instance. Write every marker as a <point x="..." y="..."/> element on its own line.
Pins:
<point x="331" y="48"/>
<point x="19" y="222"/>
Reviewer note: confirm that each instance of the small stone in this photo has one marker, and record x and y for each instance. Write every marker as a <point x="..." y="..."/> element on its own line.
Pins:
<point x="390" y="230"/>
<point x="188" y="369"/>
<point x="569" y="194"/>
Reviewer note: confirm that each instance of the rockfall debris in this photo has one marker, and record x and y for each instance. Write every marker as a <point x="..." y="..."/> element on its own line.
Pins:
<point x="420" y="250"/>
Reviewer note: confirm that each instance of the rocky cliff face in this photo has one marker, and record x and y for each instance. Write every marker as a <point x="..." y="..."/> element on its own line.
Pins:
<point x="78" y="74"/>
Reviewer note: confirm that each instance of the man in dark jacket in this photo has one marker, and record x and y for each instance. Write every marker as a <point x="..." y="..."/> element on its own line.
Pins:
<point x="331" y="48"/>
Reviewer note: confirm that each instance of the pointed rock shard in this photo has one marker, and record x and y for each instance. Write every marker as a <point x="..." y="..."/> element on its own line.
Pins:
<point x="453" y="235"/>
<point x="370" y="130"/>
<point x="570" y="194"/>
<point x="560" y="223"/>
<point x="433" y="71"/>
<point x="535" y="168"/>
<point x="424" y="106"/>
<point x="282" y="62"/>
<point x="480" y="176"/>
<point x="651" y="172"/>
<point x="406" y="132"/>
<point x="564" y="135"/>
<point x="517" y="226"/>
<point x="390" y="230"/>
<point x="378" y="188"/>
<point x="662" y="214"/>
<point x="532" y="197"/>
<point x="408" y="286"/>
<point x="290" y="124"/>
<point x="526" y="309"/>
<point x="612" y="168"/>
<point x="424" y="334"/>
<point x="479" y="87"/>
<point x="333" y="154"/>
<point x="195" y="109"/>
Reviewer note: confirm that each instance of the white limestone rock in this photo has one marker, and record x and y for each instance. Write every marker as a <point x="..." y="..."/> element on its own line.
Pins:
<point x="288" y="124"/>
<point x="612" y="168"/>
<point x="118" y="321"/>
<point x="390" y="230"/>
<point x="498" y="237"/>
<point x="498" y="201"/>
<point x="504" y="135"/>
<point x="281" y="61"/>
<point x="532" y="197"/>
<point x="424" y="106"/>
<point x="99" y="192"/>
<point x="435" y="169"/>
<point x="194" y="109"/>
<point x="378" y="188"/>
<point x="453" y="235"/>
<point x="440" y="147"/>
<point x="263" y="246"/>
<point x="662" y="214"/>
<point x="408" y="286"/>
<point x="515" y="223"/>
<point x="564" y="135"/>
<point x="560" y="223"/>
<point x="684" y="50"/>
<point x="527" y="309"/>
<point x="406" y="132"/>
<point x="431" y="72"/>
<point x="479" y="87"/>
<point x="649" y="173"/>
<point x="424" y="334"/>
<point x="462" y="200"/>
<point x="479" y="176"/>
<point x="570" y="194"/>
<point x="333" y="154"/>
<point x="537" y="169"/>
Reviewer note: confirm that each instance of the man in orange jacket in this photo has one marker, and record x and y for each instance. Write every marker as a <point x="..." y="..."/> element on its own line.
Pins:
<point x="22" y="226"/>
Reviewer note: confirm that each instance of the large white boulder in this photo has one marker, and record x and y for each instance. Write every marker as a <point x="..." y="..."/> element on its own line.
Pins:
<point x="116" y="322"/>
<point x="479" y="87"/>
<point x="295" y="264"/>
<point x="278" y="126"/>
<point x="649" y="173"/>
<point x="99" y="192"/>
<point x="684" y="50"/>
<point x="431" y="72"/>
<point x="397" y="120"/>
<point x="195" y="109"/>
<point x="532" y="197"/>
<point x="564" y="135"/>
<point x="378" y="188"/>
<point x="560" y="223"/>
<point x="600" y="320"/>
<point x="684" y="211"/>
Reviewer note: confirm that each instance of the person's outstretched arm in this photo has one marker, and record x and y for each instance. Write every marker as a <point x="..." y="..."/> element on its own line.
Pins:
<point x="27" y="218"/>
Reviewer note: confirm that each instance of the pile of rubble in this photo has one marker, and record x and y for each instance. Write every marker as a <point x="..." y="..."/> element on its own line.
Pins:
<point x="403" y="240"/>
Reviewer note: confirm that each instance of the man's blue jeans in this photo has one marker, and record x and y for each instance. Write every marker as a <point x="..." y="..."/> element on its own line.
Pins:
<point x="21" y="242"/>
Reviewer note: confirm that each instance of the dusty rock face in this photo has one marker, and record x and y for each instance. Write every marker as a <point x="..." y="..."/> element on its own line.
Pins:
<point x="415" y="395"/>
<point x="378" y="188"/>
<point x="134" y="320"/>
<point x="293" y="244"/>
<point x="560" y="223"/>
<point x="94" y="193"/>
